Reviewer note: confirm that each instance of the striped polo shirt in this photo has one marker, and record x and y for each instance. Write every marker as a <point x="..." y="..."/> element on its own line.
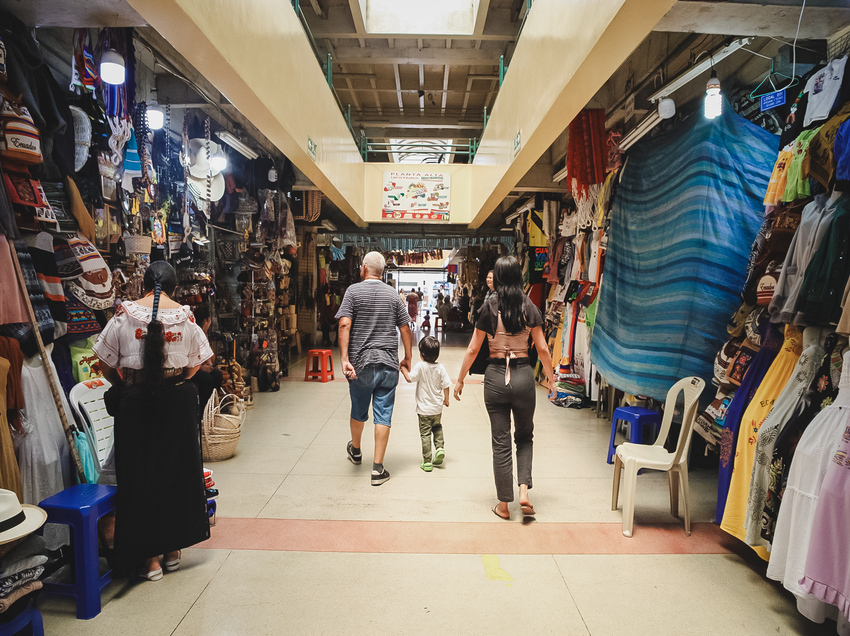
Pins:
<point x="375" y="311"/>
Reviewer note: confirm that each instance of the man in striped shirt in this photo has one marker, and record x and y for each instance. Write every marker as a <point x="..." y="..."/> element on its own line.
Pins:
<point x="369" y="317"/>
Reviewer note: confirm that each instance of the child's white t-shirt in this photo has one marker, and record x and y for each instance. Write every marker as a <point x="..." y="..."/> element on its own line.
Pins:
<point x="431" y="380"/>
<point x="823" y="88"/>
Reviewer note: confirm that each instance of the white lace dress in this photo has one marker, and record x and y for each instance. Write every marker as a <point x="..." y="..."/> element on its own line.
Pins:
<point x="796" y="515"/>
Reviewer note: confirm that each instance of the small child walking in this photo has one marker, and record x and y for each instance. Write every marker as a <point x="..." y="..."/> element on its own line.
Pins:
<point x="432" y="394"/>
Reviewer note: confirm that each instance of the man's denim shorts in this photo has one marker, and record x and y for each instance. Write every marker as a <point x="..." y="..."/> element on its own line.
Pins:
<point x="375" y="384"/>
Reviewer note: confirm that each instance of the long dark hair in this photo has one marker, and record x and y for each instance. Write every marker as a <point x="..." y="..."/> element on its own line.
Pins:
<point x="159" y="277"/>
<point x="507" y="280"/>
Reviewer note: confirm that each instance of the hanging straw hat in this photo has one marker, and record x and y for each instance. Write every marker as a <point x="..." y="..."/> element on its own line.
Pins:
<point x="199" y="166"/>
<point x="18" y="521"/>
<point x="82" y="137"/>
<point x="198" y="187"/>
<point x="200" y="170"/>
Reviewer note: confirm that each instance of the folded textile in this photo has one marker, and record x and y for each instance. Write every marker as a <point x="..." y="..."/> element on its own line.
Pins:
<point x="9" y="568"/>
<point x="11" y="583"/>
<point x="26" y="588"/>
<point x="32" y="545"/>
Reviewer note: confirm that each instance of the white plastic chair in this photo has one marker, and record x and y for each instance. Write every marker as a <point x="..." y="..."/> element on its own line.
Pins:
<point x="87" y="401"/>
<point x="633" y="457"/>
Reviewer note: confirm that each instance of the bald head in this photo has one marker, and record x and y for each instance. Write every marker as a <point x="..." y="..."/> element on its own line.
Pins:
<point x="374" y="263"/>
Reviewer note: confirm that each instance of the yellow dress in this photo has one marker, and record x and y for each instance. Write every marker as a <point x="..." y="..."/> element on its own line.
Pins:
<point x="10" y="473"/>
<point x="771" y="386"/>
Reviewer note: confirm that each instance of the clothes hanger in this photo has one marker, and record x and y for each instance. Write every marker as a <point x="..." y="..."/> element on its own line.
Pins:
<point x="769" y="78"/>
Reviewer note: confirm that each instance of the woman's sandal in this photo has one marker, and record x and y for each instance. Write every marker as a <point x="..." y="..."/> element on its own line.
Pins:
<point x="527" y="510"/>
<point x="171" y="566"/>
<point x="152" y="575"/>
<point x="495" y="512"/>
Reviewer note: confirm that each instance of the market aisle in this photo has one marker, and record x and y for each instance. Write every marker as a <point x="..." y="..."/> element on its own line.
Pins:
<point x="304" y="541"/>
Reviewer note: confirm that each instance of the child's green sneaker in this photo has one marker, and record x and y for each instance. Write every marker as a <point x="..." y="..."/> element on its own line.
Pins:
<point x="439" y="456"/>
<point x="426" y="466"/>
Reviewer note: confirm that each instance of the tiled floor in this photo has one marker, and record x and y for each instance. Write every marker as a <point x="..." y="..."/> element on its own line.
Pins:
<point x="304" y="544"/>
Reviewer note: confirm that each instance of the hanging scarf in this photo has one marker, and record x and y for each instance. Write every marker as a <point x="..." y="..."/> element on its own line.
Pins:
<point x="83" y="69"/>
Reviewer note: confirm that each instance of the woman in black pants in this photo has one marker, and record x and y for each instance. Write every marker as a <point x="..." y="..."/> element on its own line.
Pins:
<point x="508" y="319"/>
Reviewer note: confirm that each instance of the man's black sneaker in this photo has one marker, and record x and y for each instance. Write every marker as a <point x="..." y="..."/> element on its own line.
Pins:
<point x="379" y="478"/>
<point x="354" y="458"/>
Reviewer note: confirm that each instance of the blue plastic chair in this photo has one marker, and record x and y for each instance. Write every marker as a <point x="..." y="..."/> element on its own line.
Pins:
<point x="29" y="616"/>
<point x="637" y="417"/>
<point x="81" y="507"/>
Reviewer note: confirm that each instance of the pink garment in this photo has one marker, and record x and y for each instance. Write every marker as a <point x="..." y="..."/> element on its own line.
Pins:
<point x="827" y="573"/>
<point x="13" y="308"/>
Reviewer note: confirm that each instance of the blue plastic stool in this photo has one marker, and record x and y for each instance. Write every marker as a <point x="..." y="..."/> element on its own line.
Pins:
<point x="81" y="507"/>
<point x="637" y="417"/>
<point x="29" y="616"/>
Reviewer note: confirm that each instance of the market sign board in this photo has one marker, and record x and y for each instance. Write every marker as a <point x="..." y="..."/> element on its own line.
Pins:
<point x="416" y="196"/>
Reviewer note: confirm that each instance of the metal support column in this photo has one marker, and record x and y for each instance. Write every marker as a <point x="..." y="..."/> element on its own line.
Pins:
<point x="329" y="70"/>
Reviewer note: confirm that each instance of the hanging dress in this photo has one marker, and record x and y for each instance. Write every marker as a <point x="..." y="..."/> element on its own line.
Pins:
<point x="828" y="563"/>
<point x="794" y="526"/>
<point x="43" y="454"/>
<point x="821" y="393"/>
<point x="768" y="391"/>
<point x="10" y="474"/>
<point x="786" y="405"/>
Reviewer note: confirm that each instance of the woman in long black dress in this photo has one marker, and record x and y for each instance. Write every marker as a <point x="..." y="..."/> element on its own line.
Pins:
<point x="161" y="502"/>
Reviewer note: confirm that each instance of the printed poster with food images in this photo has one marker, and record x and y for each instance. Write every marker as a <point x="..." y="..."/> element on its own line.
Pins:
<point x="416" y="196"/>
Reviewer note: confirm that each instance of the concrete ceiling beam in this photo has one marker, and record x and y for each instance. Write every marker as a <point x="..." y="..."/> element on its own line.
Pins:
<point x="767" y="19"/>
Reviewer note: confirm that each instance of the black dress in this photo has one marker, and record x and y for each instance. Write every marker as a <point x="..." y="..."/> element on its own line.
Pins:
<point x="161" y="498"/>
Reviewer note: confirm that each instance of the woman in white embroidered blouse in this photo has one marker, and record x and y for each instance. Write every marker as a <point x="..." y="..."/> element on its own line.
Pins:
<point x="161" y="499"/>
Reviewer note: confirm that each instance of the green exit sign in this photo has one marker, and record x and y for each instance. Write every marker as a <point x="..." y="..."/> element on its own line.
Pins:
<point x="312" y="147"/>
<point x="517" y="142"/>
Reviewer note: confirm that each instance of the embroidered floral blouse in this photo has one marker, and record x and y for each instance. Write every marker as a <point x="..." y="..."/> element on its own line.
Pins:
<point x="121" y="344"/>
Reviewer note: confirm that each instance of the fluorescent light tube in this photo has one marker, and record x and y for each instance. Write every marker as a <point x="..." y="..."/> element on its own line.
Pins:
<point x="237" y="144"/>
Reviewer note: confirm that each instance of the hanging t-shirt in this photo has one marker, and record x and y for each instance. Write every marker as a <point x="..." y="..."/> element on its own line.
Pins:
<point x="823" y="88"/>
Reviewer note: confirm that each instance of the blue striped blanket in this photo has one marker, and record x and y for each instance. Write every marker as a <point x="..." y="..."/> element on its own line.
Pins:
<point x="683" y="221"/>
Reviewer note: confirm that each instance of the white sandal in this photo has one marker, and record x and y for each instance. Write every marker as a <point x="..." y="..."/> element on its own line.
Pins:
<point x="171" y="566"/>
<point x="152" y="575"/>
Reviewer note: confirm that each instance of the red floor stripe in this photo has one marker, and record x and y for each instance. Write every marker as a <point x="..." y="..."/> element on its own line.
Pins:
<point x="403" y="537"/>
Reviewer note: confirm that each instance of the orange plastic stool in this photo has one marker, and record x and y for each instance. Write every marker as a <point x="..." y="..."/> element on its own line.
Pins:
<point x="322" y="365"/>
<point x="438" y="324"/>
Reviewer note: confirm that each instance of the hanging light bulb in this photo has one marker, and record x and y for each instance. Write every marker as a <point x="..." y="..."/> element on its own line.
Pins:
<point x="218" y="162"/>
<point x="713" y="97"/>
<point x="272" y="174"/>
<point x="112" y="69"/>
<point x="156" y="118"/>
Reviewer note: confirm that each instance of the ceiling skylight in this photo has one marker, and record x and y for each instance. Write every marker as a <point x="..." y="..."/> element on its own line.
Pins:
<point x="420" y="17"/>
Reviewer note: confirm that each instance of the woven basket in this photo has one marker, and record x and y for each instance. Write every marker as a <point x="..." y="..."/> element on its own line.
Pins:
<point x="221" y="431"/>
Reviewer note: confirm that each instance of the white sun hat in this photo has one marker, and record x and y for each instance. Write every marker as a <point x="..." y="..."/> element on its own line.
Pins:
<point x="18" y="521"/>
